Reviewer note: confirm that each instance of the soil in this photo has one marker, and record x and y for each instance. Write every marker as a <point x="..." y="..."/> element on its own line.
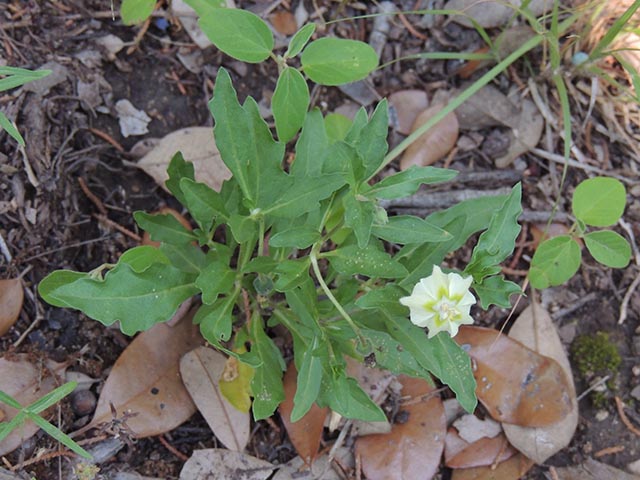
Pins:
<point x="51" y="224"/>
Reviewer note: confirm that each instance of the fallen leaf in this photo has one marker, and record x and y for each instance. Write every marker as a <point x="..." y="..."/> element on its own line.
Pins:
<point x="201" y="370"/>
<point x="146" y="238"/>
<point x="524" y="135"/>
<point x="535" y="329"/>
<point x="491" y="14"/>
<point x="11" y="298"/>
<point x="296" y="469"/>
<point x="404" y="108"/>
<point x="145" y="380"/>
<point x="413" y="448"/>
<point x="284" y="22"/>
<point x="515" y="384"/>
<point x="132" y="121"/>
<point x="235" y="384"/>
<point x="435" y="143"/>
<point x="471" y="428"/>
<point x="511" y="469"/>
<point x="222" y="464"/>
<point x="25" y="382"/>
<point x="554" y="230"/>
<point x="306" y="433"/>
<point x="593" y="470"/>
<point x="488" y="107"/>
<point x="198" y="146"/>
<point x="459" y="453"/>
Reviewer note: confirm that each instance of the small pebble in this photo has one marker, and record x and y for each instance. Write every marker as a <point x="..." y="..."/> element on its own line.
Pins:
<point x="602" y="415"/>
<point x="635" y="393"/>
<point x="601" y="386"/>
<point x="635" y="370"/>
<point x="83" y="402"/>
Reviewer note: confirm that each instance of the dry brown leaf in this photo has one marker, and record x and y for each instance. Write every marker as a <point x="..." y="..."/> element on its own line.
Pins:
<point x="488" y="107"/>
<point x="406" y="105"/>
<point x="459" y="453"/>
<point x="524" y="135"/>
<point x="284" y="22"/>
<point x="471" y="428"/>
<point x="593" y="470"/>
<point x="26" y="383"/>
<point x="198" y="146"/>
<point x="222" y="464"/>
<point x="306" y="433"/>
<point x="515" y="384"/>
<point x="492" y="13"/>
<point x="412" y="449"/>
<point x="511" y="469"/>
<point x="435" y="143"/>
<point x="201" y="370"/>
<point x="535" y="329"/>
<point x="11" y="298"/>
<point x="145" y="380"/>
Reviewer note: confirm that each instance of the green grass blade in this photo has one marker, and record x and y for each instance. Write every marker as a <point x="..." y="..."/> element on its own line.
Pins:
<point x="614" y="30"/>
<point x="463" y="97"/>
<point x="11" y="129"/>
<point x="9" y="400"/>
<point x="52" y="397"/>
<point x="7" y="427"/>
<point x="57" y="434"/>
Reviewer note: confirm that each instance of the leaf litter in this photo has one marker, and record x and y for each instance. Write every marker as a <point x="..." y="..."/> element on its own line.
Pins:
<point x="11" y="298"/>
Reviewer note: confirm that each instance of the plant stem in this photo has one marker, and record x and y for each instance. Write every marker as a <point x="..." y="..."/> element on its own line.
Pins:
<point x="327" y="291"/>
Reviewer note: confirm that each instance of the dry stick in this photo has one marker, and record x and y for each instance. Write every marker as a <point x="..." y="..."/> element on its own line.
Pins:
<point x="411" y="28"/>
<point x="90" y="195"/>
<point x="574" y="306"/>
<point x="625" y="300"/>
<point x="609" y="451"/>
<point x="592" y="388"/>
<point x="623" y="417"/>
<point x="42" y="458"/>
<point x="172" y="449"/>
<point x="5" y="251"/>
<point x="627" y="228"/>
<point x="107" y="138"/>
<point x="117" y="226"/>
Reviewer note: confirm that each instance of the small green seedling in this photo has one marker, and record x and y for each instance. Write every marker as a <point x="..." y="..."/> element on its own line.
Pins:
<point x="14" y="77"/>
<point x="597" y="202"/>
<point x="32" y="413"/>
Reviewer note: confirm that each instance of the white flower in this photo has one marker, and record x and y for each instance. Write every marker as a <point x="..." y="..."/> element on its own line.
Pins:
<point x="441" y="302"/>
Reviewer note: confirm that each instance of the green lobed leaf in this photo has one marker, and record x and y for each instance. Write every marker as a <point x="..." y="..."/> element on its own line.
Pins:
<point x="405" y="229"/>
<point x="291" y="274"/>
<point x="204" y="203"/>
<point x="359" y="215"/>
<point x="407" y="182"/>
<point x="599" y="201"/>
<point x="385" y="298"/>
<point x="388" y="353"/>
<point x="298" y="237"/>
<point x="496" y="290"/>
<point x="337" y="126"/>
<point x="369" y="261"/>
<point x="216" y="320"/>
<point x="186" y="257"/>
<point x="266" y="385"/>
<point x="441" y="356"/>
<point x="136" y="11"/>
<point x="499" y="240"/>
<point x="309" y="380"/>
<point x="609" y="248"/>
<point x="238" y="33"/>
<point x="243" y="228"/>
<point x="11" y="129"/>
<point x="342" y="158"/>
<point x="304" y="196"/>
<point x="142" y="257"/>
<point x="246" y="146"/>
<point x="164" y="228"/>
<point x="137" y="300"/>
<point x="371" y="143"/>
<point x="313" y="139"/>
<point x="289" y="103"/>
<point x="344" y="396"/>
<point x="335" y="61"/>
<point x="177" y="170"/>
<point x="215" y="279"/>
<point x="556" y="260"/>
<point x="299" y="40"/>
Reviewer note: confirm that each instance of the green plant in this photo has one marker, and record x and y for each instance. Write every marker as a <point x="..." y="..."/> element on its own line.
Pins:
<point x="306" y="244"/>
<point x="597" y="202"/>
<point x="595" y="355"/>
<point x="32" y="413"/>
<point x="14" y="77"/>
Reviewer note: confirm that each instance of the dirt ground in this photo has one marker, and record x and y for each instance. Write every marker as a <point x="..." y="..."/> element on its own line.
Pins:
<point x="48" y="222"/>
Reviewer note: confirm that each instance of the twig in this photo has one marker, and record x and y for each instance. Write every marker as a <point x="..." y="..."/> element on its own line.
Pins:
<point x="33" y="179"/>
<point x="609" y="451"/>
<point x="107" y="221"/>
<point x="107" y="138"/>
<point x="43" y="458"/>
<point x="411" y="28"/>
<point x="623" y="417"/>
<point x="64" y="247"/>
<point x="90" y="195"/>
<point x="574" y="306"/>
<point x="572" y="163"/>
<point x="634" y="246"/>
<point x="5" y="251"/>
<point x="592" y="388"/>
<point x="627" y="297"/>
<point x="172" y="449"/>
<point x="139" y="35"/>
